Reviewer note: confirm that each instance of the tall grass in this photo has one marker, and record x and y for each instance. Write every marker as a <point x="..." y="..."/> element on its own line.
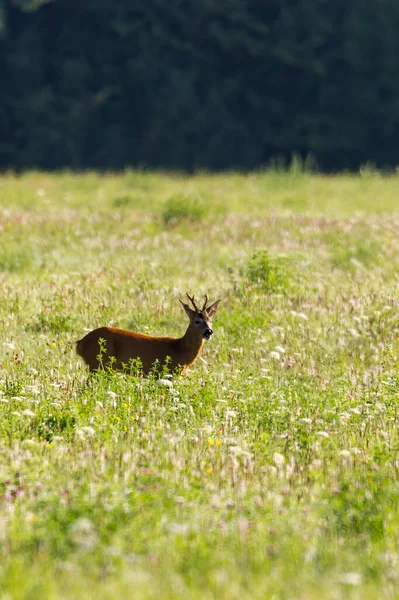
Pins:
<point x="271" y="469"/>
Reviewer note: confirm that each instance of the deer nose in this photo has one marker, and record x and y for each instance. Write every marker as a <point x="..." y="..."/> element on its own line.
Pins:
<point x="208" y="333"/>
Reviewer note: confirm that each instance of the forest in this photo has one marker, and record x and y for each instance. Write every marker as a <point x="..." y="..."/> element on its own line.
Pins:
<point x="198" y="85"/>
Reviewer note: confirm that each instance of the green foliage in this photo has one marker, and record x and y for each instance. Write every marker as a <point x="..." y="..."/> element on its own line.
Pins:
<point x="12" y="388"/>
<point x="353" y="253"/>
<point x="56" y="424"/>
<point x="52" y="323"/>
<point x="354" y="509"/>
<point x="179" y="208"/>
<point x="15" y="260"/>
<point x="122" y="201"/>
<point x="270" y="273"/>
<point x="270" y="469"/>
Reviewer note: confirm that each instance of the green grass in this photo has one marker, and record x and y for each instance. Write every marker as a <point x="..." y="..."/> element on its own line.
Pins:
<point x="271" y="469"/>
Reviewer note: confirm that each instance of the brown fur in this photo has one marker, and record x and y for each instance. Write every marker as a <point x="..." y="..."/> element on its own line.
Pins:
<point x="125" y="346"/>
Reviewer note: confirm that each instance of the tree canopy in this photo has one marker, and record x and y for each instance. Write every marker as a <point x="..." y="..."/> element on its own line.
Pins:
<point x="198" y="84"/>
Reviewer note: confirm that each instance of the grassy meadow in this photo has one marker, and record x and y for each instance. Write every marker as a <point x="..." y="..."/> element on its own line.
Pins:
<point x="271" y="470"/>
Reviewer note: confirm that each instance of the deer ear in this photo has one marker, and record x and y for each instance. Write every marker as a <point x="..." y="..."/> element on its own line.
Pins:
<point x="188" y="310"/>
<point x="212" y="308"/>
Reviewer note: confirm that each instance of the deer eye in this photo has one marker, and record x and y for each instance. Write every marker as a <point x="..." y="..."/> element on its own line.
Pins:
<point x="197" y="321"/>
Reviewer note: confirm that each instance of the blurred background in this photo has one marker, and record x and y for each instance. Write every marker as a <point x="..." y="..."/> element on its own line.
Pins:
<point x="198" y="84"/>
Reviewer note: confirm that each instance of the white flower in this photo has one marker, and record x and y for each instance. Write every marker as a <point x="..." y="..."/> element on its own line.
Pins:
<point x="354" y="332"/>
<point x="178" y="528"/>
<point x="279" y="349"/>
<point x="238" y="451"/>
<point x="164" y="383"/>
<point x="323" y="434"/>
<point x="230" y="414"/>
<point x="83" y="533"/>
<point x="274" y="355"/>
<point x="344" y="453"/>
<point x="28" y="413"/>
<point x="351" y="578"/>
<point x="86" y="432"/>
<point x="180" y="499"/>
<point x="303" y="316"/>
<point x="278" y="459"/>
<point x="33" y="389"/>
<point x="300" y="315"/>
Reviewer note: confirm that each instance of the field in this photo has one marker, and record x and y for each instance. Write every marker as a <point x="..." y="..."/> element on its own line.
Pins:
<point x="271" y="469"/>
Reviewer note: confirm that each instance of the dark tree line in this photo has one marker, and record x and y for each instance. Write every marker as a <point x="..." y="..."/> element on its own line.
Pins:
<point x="193" y="84"/>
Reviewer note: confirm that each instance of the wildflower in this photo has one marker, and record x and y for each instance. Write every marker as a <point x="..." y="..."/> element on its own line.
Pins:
<point x="274" y="355"/>
<point x="300" y="315"/>
<point x="178" y="528"/>
<point x="323" y="434"/>
<point x="354" y="332"/>
<point x="89" y="431"/>
<point x="28" y="413"/>
<point x="164" y="383"/>
<point x="211" y="441"/>
<point x="278" y="459"/>
<point x="83" y="534"/>
<point x="33" y="389"/>
<point x="231" y="414"/>
<point x="351" y="578"/>
<point x="280" y="349"/>
<point x="238" y="451"/>
<point x="209" y="470"/>
<point x="344" y="453"/>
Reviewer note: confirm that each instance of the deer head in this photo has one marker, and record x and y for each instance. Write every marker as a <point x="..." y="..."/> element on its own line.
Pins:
<point x="201" y="319"/>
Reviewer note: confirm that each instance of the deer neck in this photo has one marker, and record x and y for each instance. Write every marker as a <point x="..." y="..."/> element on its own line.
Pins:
<point x="191" y="343"/>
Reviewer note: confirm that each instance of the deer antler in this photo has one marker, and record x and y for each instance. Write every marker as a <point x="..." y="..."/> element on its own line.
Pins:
<point x="205" y="303"/>
<point x="191" y="298"/>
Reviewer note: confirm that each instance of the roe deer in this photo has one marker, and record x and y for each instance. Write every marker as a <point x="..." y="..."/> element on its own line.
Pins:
<point x="120" y="346"/>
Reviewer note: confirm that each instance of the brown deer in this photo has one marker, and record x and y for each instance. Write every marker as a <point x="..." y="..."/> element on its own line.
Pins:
<point x="116" y="348"/>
